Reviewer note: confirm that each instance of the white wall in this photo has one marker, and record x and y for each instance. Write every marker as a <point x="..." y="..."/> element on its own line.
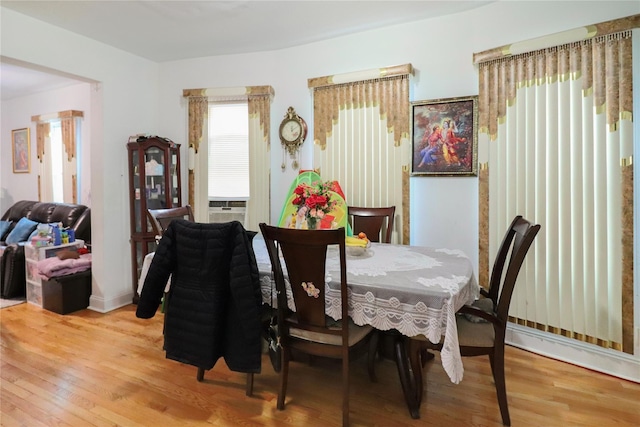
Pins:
<point x="444" y="211"/>
<point x="124" y="101"/>
<point x="135" y="95"/>
<point x="16" y="114"/>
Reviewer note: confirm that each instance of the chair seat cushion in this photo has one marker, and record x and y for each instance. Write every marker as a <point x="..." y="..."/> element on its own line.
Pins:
<point x="356" y="334"/>
<point x="484" y="304"/>
<point x="474" y="334"/>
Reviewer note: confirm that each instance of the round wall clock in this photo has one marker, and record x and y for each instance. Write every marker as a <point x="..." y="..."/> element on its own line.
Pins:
<point x="293" y="132"/>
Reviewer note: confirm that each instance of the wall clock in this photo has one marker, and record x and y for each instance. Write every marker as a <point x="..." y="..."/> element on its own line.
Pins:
<point x="293" y="132"/>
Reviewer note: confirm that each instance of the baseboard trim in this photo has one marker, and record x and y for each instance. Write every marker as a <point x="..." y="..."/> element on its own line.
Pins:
<point x="611" y="362"/>
<point x="103" y="306"/>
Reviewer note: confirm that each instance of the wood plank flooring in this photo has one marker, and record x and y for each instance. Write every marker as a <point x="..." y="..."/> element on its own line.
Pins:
<point x="89" y="369"/>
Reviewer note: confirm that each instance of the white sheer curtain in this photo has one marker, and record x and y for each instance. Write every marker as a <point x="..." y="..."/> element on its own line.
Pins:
<point x="555" y="145"/>
<point x="361" y="139"/>
<point x="258" y="206"/>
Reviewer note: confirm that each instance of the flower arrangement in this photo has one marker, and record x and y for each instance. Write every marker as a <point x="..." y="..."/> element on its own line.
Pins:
<point x="313" y="202"/>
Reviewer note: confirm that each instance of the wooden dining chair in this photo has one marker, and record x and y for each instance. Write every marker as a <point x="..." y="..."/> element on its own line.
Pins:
<point x="482" y="326"/>
<point x="309" y="330"/>
<point x="376" y="223"/>
<point x="161" y="218"/>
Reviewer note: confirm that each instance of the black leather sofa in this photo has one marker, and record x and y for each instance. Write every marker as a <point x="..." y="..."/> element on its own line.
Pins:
<point x="12" y="262"/>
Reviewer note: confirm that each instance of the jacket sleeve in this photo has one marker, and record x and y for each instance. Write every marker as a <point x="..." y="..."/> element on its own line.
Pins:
<point x="162" y="266"/>
<point x="245" y="280"/>
<point x="243" y="343"/>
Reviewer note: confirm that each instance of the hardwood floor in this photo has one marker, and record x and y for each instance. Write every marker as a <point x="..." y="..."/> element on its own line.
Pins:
<point x="91" y="369"/>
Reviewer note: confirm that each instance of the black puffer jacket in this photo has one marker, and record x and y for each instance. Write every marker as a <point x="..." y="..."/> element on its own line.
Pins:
<point x="214" y="300"/>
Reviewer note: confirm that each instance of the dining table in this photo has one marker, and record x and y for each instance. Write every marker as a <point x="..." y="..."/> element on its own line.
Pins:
<point x="414" y="291"/>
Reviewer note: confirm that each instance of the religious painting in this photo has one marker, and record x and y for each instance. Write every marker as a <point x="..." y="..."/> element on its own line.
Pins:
<point x="444" y="137"/>
<point x="21" y="150"/>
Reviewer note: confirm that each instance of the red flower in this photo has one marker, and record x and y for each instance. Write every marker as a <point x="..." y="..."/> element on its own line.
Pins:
<point x="316" y="200"/>
<point x="316" y="197"/>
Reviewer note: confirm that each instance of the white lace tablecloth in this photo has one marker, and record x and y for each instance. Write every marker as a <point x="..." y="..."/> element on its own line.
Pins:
<point x="415" y="290"/>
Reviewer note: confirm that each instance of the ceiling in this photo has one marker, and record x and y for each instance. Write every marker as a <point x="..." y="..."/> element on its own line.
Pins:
<point x="174" y="30"/>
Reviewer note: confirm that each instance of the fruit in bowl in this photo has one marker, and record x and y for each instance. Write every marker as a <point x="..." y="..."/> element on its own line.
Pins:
<point x="357" y="245"/>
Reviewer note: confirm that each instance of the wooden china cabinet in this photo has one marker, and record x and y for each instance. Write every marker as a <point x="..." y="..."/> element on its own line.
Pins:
<point x="154" y="183"/>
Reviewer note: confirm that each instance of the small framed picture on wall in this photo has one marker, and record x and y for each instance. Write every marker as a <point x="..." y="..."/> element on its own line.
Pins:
<point x="444" y="137"/>
<point x="21" y="150"/>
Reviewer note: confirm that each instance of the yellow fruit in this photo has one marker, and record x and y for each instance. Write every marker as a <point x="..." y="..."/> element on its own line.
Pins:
<point x="355" y="241"/>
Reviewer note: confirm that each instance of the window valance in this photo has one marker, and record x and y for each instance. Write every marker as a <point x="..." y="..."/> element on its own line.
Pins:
<point x="557" y="39"/>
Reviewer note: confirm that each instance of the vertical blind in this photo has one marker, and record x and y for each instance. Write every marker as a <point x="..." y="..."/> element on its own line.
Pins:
<point x="361" y="140"/>
<point x="556" y="127"/>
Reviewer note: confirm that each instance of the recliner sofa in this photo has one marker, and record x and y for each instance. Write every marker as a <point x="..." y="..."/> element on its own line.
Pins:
<point x="12" y="261"/>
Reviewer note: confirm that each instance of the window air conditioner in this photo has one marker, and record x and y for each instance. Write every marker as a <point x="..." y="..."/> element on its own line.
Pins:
<point x="227" y="211"/>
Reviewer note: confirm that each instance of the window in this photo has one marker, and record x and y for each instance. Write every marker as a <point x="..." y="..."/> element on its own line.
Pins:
<point x="57" y="175"/>
<point x="252" y="183"/>
<point x="228" y="177"/>
<point x="59" y="145"/>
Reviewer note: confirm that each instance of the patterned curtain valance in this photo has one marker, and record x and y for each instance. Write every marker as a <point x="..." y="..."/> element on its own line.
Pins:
<point x="375" y="73"/>
<point x="501" y="78"/>
<point x="239" y="92"/>
<point x="257" y="96"/>
<point x="42" y="129"/>
<point x="68" y="123"/>
<point x="68" y="114"/>
<point x="384" y="87"/>
<point x="260" y="107"/>
<point x="565" y="37"/>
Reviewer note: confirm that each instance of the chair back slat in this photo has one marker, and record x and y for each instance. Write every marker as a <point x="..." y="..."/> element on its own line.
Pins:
<point x="305" y="255"/>
<point x="161" y="218"/>
<point x="306" y="270"/>
<point x="522" y="233"/>
<point x="501" y="259"/>
<point x="377" y="223"/>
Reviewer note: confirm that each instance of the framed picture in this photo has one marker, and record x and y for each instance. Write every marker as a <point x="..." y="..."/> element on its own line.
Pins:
<point x="21" y="150"/>
<point x="444" y="135"/>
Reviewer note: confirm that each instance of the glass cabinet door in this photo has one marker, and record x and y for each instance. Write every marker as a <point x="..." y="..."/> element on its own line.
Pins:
<point x="154" y="171"/>
<point x="154" y="174"/>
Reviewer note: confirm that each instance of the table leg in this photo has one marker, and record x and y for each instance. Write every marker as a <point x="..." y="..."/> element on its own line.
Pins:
<point x="410" y="358"/>
<point x="411" y="387"/>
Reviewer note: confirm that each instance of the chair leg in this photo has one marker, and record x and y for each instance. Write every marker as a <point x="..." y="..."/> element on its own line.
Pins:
<point x="200" y="375"/>
<point x="345" y="390"/>
<point x="284" y="374"/>
<point x="497" y="367"/>
<point x="371" y="357"/>
<point x="249" y="390"/>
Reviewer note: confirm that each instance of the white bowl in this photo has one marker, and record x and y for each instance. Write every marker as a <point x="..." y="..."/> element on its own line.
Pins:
<point x="355" y="250"/>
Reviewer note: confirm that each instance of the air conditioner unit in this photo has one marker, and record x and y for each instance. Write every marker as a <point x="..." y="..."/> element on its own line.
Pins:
<point x="227" y="211"/>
